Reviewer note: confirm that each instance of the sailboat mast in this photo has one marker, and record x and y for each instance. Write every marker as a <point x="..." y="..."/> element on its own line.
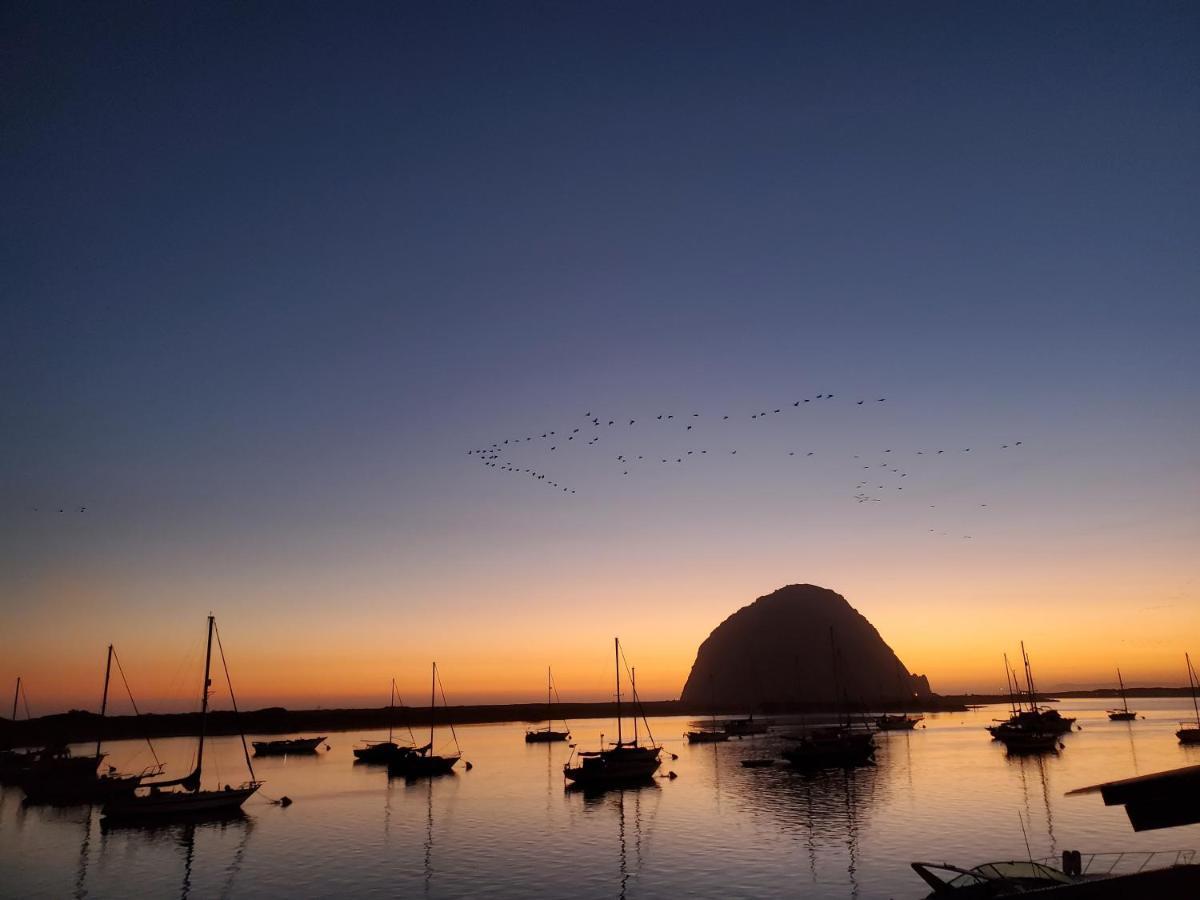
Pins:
<point x="391" y="709"/>
<point x="617" y="656"/>
<point x="104" y="698"/>
<point x="1124" y="699"/>
<point x="549" y="709"/>
<point x="16" y="697"/>
<point x="432" y="685"/>
<point x="204" y="700"/>
<point x="1012" y="700"/>
<point x="636" y="704"/>
<point x="1029" y="679"/>
<point x="1192" y="684"/>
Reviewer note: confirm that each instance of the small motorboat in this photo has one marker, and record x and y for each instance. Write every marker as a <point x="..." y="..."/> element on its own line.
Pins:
<point x="1129" y="874"/>
<point x="289" y="746"/>
<point x="747" y="727"/>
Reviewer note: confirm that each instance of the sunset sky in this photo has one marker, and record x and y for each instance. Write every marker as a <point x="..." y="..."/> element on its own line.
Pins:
<point x="270" y="271"/>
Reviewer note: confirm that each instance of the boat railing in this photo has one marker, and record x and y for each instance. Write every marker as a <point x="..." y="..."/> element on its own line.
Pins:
<point x="1128" y="862"/>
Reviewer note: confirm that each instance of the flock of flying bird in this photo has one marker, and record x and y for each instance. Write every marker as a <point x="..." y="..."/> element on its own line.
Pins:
<point x="884" y="475"/>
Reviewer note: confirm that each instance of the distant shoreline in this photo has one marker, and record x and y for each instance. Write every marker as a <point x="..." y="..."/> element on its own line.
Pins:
<point x="78" y="726"/>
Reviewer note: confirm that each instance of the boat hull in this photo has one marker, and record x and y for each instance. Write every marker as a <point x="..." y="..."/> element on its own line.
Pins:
<point x="827" y="751"/>
<point x="623" y="766"/>
<point x="706" y="737"/>
<point x="1122" y="716"/>
<point x="415" y="765"/>
<point x="71" y="791"/>
<point x="284" y="748"/>
<point x="1188" y="735"/>
<point x="897" y="723"/>
<point x="546" y="737"/>
<point x="166" y="805"/>
<point x="377" y="754"/>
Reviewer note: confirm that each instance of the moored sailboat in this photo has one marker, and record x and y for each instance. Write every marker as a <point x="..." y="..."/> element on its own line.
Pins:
<point x="547" y="735"/>
<point x="156" y="804"/>
<point x="1189" y="732"/>
<point x="380" y="752"/>
<point x="422" y="762"/>
<point x="624" y="762"/>
<point x="1028" y="729"/>
<point x="288" y="746"/>
<point x="712" y="735"/>
<point x="1124" y="714"/>
<point x="840" y="744"/>
<point x="58" y="777"/>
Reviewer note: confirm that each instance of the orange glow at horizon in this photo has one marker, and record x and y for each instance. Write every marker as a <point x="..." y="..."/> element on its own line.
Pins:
<point x="1076" y="633"/>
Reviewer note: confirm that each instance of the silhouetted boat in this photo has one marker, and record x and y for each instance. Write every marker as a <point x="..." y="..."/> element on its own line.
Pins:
<point x="624" y="762"/>
<point x="711" y="736"/>
<point x="381" y="752"/>
<point x="1098" y="875"/>
<point x="832" y="745"/>
<point x="1189" y="732"/>
<point x="156" y="804"/>
<point x="1124" y="714"/>
<point x="902" y="722"/>
<point x="1028" y="729"/>
<point x="57" y="777"/>
<point x="14" y="762"/>
<point x="747" y="727"/>
<point x="422" y="762"/>
<point x="549" y="735"/>
<point x="289" y="746"/>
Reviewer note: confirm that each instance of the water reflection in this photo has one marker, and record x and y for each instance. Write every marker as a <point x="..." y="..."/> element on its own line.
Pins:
<point x="182" y="837"/>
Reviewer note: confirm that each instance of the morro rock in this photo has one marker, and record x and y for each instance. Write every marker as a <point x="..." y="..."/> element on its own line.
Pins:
<point x="779" y="651"/>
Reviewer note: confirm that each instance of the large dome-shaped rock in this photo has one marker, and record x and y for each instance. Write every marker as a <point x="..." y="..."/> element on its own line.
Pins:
<point x="779" y="650"/>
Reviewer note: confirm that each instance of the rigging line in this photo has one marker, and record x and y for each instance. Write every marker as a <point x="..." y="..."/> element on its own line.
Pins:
<point x="446" y="705"/>
<point x="637" y="700"/>
<point x="407" y="719"/>
<point x="236" y="715"/>
<point x="25" y="700"/>
<point x="558" y="700"/>
<point x="137" y="713"/>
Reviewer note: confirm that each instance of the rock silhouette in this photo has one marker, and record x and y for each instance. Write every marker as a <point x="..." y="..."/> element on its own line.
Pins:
<point x="777" y="652"/>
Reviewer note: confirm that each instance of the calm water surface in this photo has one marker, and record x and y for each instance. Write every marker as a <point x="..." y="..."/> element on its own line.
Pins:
<point x="508" y="829"/>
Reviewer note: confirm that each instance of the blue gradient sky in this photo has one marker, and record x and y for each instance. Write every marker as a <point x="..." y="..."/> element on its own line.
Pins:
<point x="270" y="270"/>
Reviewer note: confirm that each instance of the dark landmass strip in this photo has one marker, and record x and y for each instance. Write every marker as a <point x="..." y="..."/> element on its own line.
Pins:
<point x="77" y="726"/>
<point x="1098" y="693"/>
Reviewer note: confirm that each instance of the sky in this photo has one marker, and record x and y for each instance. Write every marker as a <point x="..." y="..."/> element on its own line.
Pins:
<point x="271" y="271"/>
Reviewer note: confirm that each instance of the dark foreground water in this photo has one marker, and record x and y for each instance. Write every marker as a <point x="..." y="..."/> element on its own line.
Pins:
<point x="508" y="829"/>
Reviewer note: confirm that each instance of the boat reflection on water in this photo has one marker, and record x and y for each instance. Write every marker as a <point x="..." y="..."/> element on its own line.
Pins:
<point x="182" y="835"/>
<point x="630" y="805"/>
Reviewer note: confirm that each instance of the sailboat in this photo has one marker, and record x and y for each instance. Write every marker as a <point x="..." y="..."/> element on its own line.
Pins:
<point x="1024" y="731"/>
<point x="59" y="777"/>
<point x="422" y="762"/>
<point x="381" y="752"/>
<point x="548" y="736"/>
<point x="902" y="722"/>
<point x="623" y="762"/>
<point x="1124" y="714"/>
<point x="14" y="763"/>
<point x="713" y="735"/>
<point x="834" y="745"/>
<point x="1026" y="722"/>
<point x="156" y="804"/>
<point x="1189" y="732"/>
